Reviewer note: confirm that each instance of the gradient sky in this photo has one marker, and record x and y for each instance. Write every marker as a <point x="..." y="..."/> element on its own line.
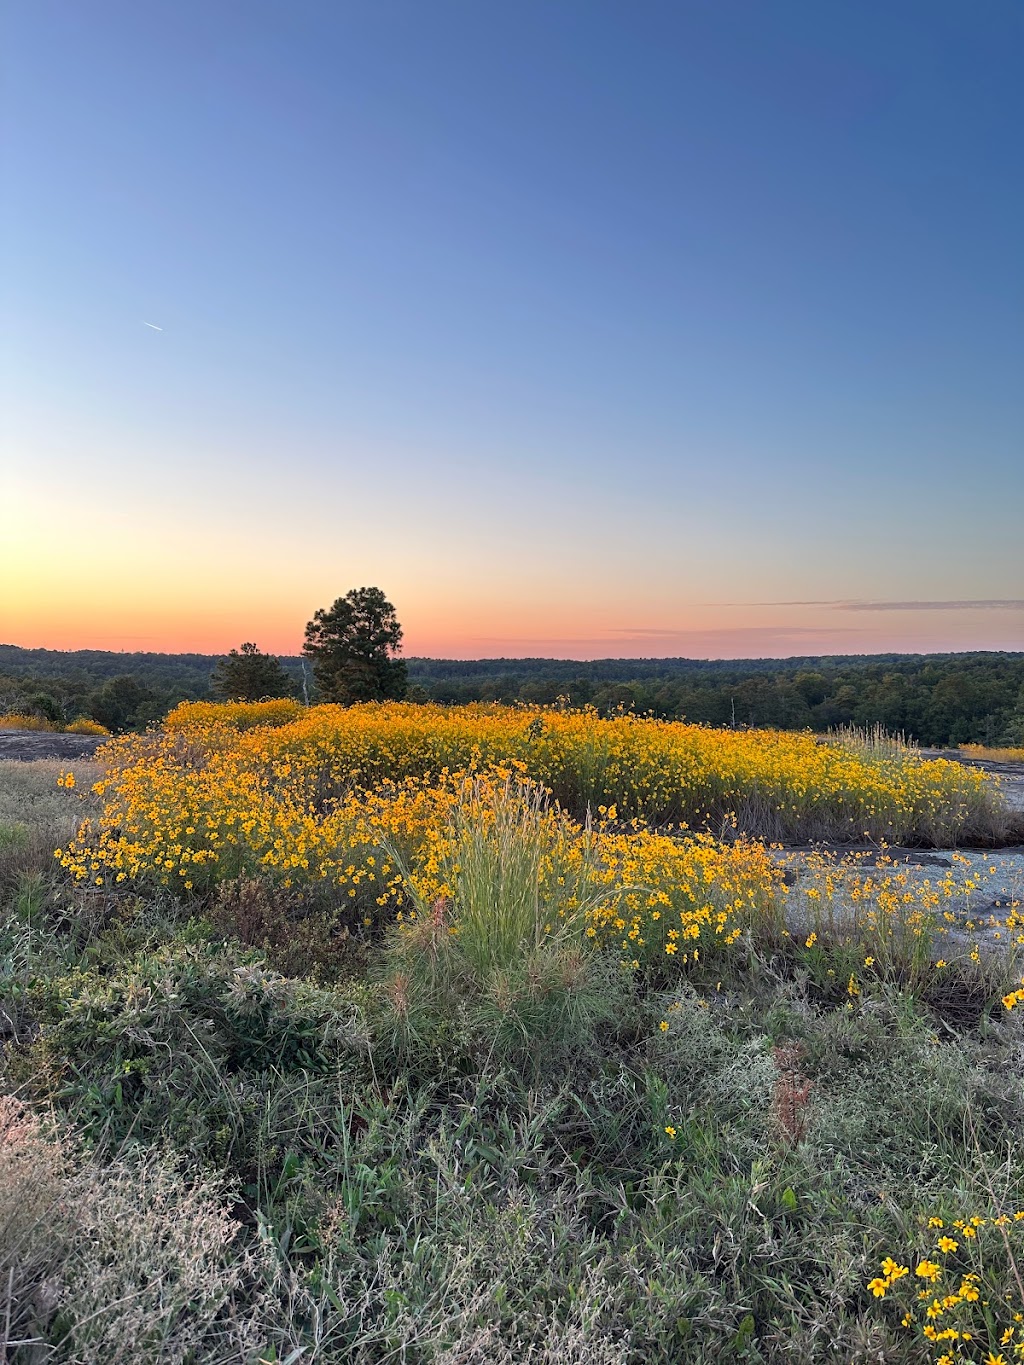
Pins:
<point x="582" y="328"/>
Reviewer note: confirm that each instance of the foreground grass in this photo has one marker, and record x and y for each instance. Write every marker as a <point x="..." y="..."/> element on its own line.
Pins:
<point x="438" y="1143"/>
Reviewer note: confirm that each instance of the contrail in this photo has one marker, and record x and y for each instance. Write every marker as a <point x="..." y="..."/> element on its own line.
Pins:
<point x="153" y="325"/>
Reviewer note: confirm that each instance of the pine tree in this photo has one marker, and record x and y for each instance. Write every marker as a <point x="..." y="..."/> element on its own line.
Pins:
<point x="353" y="648"/>
<point x="248" y="675"/>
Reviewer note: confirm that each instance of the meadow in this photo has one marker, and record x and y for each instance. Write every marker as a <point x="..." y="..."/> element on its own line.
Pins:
<point x="488" y="1034"/>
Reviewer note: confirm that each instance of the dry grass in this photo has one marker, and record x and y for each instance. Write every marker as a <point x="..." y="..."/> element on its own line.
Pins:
<point x="149" y="1265"/>
<point x="874" y="742"/>
<point x="993" y="755"/>
<point x="33" y="1170"/>
<point x="122" y="1262"/>
<point x="37" y="816"/>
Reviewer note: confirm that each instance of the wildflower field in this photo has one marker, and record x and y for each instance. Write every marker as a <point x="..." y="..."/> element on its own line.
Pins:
<point x="486" y="1034"/>
<point x="223" y="790"/>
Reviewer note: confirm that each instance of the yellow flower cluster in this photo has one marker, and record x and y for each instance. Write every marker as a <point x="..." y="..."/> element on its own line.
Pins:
<point x="238" y="715"/>
<point x="959" y="1308"/>
<point x="674" y="897"/>
<point x="82" y="726"/>
<point x="774" y="784"/>
<point x="1008" y="755"/>
<point x="13" y="720"/>
<point x="189" y="808"/>
<point x="896" y="914"/>
<point x="85" y="726"/>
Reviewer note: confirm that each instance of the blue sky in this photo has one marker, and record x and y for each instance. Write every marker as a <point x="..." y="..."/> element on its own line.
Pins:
<point x="580" y="328"/>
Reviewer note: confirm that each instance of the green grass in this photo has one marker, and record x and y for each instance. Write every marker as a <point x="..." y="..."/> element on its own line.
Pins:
<point x="542" y="1159"/>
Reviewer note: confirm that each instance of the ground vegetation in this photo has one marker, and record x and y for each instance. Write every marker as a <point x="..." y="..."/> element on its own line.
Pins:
<point x="562" y="1090"/>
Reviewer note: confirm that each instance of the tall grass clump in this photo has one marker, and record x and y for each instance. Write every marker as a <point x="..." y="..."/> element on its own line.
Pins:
<point x="505" y="852"/>
<point x="501" y="940"/>
<point x="875" y="742"/>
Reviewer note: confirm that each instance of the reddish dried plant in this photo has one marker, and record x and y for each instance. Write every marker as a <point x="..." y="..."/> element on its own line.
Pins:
<point x="790" y="1092"/>
<point x="399" y="992"/>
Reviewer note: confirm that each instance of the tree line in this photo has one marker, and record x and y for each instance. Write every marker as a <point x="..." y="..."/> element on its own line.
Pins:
<point x="938" y="700"/>
<point x="352" y="653"/>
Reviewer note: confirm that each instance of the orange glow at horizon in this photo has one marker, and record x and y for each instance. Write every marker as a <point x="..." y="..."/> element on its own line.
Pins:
<point x="142" y="624"/>
<point x="105" y="575"/>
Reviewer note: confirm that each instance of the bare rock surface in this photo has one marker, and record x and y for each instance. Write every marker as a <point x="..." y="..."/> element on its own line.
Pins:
<point x="986" y="887"/>
<point x="1010" y="775"/>
<point x="26" y="746"/>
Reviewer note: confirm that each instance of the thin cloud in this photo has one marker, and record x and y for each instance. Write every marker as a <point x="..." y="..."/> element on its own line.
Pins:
<point x="677" y="633"/>
<point x="983" y="604"/>
<point x="614" y="635"/>
<point x="971" y="604"/>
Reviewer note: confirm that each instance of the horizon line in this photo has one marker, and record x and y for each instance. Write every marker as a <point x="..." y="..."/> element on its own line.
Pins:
<point x="550" y="658"/>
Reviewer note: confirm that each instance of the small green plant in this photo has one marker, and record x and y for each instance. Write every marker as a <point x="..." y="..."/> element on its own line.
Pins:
<point x="13" y="835"/>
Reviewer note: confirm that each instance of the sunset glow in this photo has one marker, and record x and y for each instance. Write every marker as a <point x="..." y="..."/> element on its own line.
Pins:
<point x="579" y="336"/>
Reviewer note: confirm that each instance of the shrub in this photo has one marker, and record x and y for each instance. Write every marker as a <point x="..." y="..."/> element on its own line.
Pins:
<point x="296" y="939"/>
<point x="83" y="725"/>
<point x="15" y="721"/>
<point x="179" y="1043"/>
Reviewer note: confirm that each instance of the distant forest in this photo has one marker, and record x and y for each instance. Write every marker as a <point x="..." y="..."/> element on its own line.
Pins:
<point x="937" y="699"/>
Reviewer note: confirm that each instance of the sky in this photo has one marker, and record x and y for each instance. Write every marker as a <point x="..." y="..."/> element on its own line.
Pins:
<point x="583" y="328"/>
